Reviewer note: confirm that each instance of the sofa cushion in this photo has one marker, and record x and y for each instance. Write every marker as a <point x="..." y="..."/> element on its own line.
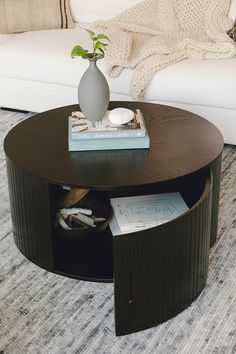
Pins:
<point x="26" y="15"/>
<point x="89" y="11"/>
<point x="44" y="56"/>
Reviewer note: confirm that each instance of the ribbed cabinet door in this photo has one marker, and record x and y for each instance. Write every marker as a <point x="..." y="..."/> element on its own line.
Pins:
<point x="160" y="271"/>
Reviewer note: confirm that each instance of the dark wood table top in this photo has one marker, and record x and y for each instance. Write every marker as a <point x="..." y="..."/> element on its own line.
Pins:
<point x="181" y="143"/>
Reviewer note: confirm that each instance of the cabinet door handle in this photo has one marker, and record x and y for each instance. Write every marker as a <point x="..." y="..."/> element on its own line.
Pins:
<point x="130" y="299"/>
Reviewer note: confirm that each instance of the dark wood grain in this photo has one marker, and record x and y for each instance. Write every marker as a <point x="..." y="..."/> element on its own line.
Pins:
<point x="181" y="143"/>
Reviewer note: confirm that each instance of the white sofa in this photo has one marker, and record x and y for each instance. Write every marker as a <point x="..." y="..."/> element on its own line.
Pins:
<point x="37" y="72"/>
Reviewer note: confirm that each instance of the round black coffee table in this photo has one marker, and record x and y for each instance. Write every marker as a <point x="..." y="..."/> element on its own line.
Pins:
<point x="156" y="272"/>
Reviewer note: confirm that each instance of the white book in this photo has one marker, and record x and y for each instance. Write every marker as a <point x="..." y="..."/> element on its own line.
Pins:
<point x="115" y="229"/>
<point x="145" y="211"/>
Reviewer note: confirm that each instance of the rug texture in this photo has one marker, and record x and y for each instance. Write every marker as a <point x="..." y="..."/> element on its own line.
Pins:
<point x="154" y="34"/>
<point x="44" y="313"/>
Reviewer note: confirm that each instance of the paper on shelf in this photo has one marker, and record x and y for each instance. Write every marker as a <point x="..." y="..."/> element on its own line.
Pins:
<point x="141" y="212"/>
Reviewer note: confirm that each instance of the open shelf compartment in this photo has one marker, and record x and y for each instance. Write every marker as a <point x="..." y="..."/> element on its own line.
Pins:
<point x="88" y="254"/>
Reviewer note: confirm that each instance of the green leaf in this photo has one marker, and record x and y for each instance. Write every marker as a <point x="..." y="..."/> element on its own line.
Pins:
<point x="100" y="35"/>
<point x="97" y="45"/>
<point x="78" y="51"/>
<point x="101" y="50"/>
<point x="90" y="32"/>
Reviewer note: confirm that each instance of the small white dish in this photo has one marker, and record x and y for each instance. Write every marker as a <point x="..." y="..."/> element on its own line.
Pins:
<point x="120" y="116"/>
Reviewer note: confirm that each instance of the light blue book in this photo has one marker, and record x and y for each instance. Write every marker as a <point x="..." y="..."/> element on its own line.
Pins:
<point x="108" y="144"/>
<point x="81" y="128"/>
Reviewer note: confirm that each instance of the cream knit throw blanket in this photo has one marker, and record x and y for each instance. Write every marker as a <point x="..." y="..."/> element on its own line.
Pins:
<point x="156" y="33"/>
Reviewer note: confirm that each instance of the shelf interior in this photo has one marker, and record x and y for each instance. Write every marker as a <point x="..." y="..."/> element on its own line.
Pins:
<point x="87" y="254"/>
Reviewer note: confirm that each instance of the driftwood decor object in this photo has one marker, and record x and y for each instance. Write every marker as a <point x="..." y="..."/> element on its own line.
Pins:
<point x="72" y="197"/>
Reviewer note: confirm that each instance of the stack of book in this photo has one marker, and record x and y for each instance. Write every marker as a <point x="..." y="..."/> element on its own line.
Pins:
<point x="83" y="136"/>
<point x="141" y="212"/>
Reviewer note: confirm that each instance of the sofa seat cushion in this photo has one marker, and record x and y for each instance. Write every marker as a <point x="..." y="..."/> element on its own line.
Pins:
<point x="204" y="82"/>
<point x="44" y="56"/>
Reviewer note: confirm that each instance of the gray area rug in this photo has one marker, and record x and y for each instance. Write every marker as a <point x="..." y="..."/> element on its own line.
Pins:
<point x="44" y="313"/>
